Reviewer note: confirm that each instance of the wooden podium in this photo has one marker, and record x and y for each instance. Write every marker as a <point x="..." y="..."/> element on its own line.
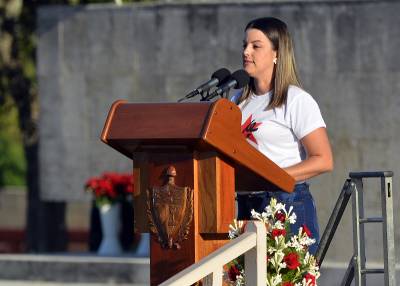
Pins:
<point x="188" y="159"/>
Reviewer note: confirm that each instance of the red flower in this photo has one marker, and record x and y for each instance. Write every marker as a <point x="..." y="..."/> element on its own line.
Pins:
<point x="287" y="284"/>
<point x="278" y="232"/>
<point x="91" y="183"/>
<point x="280" y="216"/>
<point x="306" y="230"/>
<point x="114" y="178"/>
<point x="104" y="186"/>
<point x="309" y="277"/>
<point x="111" y="186"/>
<point x="233" y="273"/>
<point x="292" y="260"/>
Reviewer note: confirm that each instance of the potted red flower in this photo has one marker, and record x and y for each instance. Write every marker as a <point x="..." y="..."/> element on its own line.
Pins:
<point x="110" y="187"/>
<point x="108" y="191"/>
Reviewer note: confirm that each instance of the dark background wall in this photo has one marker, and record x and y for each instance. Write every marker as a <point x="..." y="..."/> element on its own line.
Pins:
<point x="347" y="53"/>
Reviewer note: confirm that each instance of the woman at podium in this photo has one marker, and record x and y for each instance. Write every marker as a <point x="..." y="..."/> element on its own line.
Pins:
<point x="281" y="120"/>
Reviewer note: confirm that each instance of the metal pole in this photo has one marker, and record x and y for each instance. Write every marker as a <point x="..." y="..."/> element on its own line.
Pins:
<point x="349" y="275"/>
<point x="357" y="235"/>
<point x="388" y="231"/>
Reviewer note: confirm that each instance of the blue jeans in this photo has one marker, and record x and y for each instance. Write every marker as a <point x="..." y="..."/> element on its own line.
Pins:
<point x="301" y="200"/>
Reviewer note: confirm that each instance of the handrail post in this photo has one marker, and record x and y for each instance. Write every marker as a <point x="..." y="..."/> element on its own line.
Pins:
<point x="358" y="233"/>
<point x="388" y="231"/>
<point x="256" y="265"/>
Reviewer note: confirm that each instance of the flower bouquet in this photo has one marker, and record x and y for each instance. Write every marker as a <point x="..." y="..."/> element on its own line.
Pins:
<point x="288" y="261"/>
<point x="110" y="188"/>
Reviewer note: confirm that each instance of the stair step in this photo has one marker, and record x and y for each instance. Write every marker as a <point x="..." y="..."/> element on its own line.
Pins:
<point x="42" y="283"/>
<point x="69" y="269"/>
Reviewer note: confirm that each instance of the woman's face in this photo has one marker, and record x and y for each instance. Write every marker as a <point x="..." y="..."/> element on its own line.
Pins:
<point x="258" y="55"/>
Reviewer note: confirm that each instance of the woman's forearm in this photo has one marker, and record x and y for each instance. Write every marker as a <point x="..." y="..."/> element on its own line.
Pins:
<point x="319" y="156"/>
<point x="312" y="166"/>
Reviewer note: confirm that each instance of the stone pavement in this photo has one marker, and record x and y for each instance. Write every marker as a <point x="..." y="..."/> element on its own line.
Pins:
<point x="37" y="283"/>
<point x="73" y="269"/>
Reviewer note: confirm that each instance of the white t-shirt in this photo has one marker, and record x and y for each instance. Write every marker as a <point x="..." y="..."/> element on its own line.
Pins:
<point x="277" y="132"/>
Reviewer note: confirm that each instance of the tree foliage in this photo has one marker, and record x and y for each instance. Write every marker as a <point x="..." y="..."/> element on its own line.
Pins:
<point x="18" y="85"/>
<point x="19" y="111"/>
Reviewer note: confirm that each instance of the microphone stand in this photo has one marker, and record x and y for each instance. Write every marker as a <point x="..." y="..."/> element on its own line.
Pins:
<point x="207" y="96"/>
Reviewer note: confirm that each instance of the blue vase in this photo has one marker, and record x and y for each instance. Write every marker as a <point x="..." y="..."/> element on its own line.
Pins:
<point x="110" y="226"/>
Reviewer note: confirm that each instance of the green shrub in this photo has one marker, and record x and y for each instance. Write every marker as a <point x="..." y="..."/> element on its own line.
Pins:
<point x="12" y="159"/>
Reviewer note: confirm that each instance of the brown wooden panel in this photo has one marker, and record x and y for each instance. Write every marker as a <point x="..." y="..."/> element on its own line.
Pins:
<point x="156" y="121"/>
<point x="196" y="126"/>
<point x="211" y="242"/>
<point x="110" y="119"/>
<point x="223" y="132"/>
<point x="226" y="195"/>
<point x="166" y="262"/>
<point x="216" y="193"/>
<point x="141" y="177"/>
<point x="207" y="192"/>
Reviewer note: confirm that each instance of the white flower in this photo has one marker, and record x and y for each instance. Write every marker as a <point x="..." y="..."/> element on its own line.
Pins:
<point x="236" y="229"/>
<point x="279" y="225"/>
<point x="295" y="243"/>
<point x="277" y="246"/>
<point x="240" y="280"/>
<point x="306" y="282"/>
<point x="304" y="239"/>
<point x="268" y="211"/>
<point x="279" y="206"/>
<point x="276" y="280"/>
<point x="292" y="218"/>
<point x="307" y="258"/>
<point x="307" y="241"/>
<point x="256" y="215"/>
<point x="276" y="260"/>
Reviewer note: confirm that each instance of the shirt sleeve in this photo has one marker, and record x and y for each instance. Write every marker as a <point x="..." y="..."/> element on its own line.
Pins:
<point x="305" y="115"/>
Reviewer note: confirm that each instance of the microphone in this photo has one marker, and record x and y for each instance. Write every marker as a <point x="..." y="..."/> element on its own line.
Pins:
<point x="238" y="79"/>
<point x="216" y="78"/>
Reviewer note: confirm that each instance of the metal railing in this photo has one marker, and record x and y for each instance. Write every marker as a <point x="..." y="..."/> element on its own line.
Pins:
<point x="253" y="241"/>
<point x="353" y="187"/>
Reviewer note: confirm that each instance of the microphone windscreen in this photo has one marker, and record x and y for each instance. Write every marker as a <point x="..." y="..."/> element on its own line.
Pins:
<point x="242" y="78"/>
<point x="221" y="74"/>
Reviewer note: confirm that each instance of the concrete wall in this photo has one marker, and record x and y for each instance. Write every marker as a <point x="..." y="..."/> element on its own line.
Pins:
<point x="347" y="53"/>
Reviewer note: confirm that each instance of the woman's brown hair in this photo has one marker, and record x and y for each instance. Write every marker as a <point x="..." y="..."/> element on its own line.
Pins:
<point x="285" y="72"/>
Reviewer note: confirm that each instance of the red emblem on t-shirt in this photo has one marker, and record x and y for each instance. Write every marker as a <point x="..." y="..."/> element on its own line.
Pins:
<point x="249" y="127"/>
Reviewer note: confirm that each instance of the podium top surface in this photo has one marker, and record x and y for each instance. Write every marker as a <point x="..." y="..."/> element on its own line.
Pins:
<point x="204" y="126"/>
